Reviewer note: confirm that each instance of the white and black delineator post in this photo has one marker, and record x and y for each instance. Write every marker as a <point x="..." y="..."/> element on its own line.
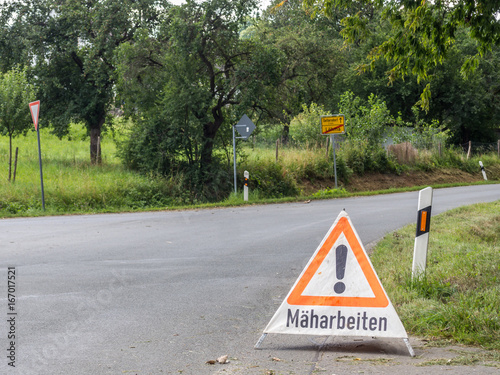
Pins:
<point x="483" y="171"/>
<point x="245" y="186"/>
<point x="422" y="235"/>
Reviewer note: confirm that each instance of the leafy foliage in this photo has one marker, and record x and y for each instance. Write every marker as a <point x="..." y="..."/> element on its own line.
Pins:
<point x="422" y="33"/>
<point x="305" y="128"/>
<point x="310" y="60"/>
<point x="367" y="122"/>
<point x="15" y="94"/>
<point x="69" y="46"/>
<point x="272" y="181"/>
<point x="189" y="85"/>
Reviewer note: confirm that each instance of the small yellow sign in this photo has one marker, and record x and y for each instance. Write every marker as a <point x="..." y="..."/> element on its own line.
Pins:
<point x="332" y="124"/>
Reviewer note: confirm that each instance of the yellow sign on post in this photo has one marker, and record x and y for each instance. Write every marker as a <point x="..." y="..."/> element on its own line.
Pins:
<point x="333" y="124"/>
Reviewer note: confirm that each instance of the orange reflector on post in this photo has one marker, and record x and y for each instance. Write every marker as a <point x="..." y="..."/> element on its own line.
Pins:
<point x="423" y="221"/>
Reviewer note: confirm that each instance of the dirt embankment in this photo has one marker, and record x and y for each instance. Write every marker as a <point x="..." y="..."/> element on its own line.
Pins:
<point x="382" y="181"/>
<point x="379" y="181"/>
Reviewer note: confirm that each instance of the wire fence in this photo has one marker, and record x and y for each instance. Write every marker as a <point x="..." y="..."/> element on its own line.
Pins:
<point x="480" y="147"/>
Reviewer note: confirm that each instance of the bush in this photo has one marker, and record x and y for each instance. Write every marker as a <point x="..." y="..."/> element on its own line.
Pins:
<point x="305" y="128"/>
<point x="365" y="121"/>
<point x="272" y="181"/>
<point x="362" y="157"/>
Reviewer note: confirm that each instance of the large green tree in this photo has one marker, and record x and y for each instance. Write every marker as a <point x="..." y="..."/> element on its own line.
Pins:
<point x="187" y="84"/>
<point x="69" y="45"/>
<point x="310" y="57"/>
<point x="422" y="33"/>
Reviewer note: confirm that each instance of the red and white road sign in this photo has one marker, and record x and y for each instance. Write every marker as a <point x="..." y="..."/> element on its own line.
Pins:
<point x="35" y="110"/>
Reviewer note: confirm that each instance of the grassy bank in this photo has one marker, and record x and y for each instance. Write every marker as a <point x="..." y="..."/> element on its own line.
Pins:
<point x="459" y="297"/>
<point x="72" y="185"/>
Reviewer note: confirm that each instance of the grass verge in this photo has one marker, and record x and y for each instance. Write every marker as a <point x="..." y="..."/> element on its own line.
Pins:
<point x="73" y="186"/>
<point x="459" y="297"/>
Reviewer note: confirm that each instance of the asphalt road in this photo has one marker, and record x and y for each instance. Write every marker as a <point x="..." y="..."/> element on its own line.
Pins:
<point x="164" y="292"/>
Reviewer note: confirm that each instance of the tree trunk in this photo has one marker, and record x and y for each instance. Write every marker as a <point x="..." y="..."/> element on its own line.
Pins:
<point x="286" y="134"/>
<point x="95" y="149"/>
<point x="209" y="132"/>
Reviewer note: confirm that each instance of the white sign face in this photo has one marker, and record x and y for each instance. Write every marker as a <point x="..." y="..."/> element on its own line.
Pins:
<point x="338" y="293"/>
<point x="35" y="109"/>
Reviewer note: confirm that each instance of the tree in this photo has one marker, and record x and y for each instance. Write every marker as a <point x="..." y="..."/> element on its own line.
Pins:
<point x="187" y="84"/>
<point x="311" y="57"/>
<point x="70" y="45"/>
<point x="422" y="33"/>
<point x="469" y="108"/>
<point x="15" y="94"/>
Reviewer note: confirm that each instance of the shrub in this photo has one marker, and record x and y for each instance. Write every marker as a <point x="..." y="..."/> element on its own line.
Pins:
<point x="272" y="181"/>
<point x="362" y="157"/>
<point x="305" y="127"/>
<point x="365" y="121"/>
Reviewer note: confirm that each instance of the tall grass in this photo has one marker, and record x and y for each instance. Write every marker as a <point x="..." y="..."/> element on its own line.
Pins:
<point x="459" y="297"/>
<point x="71" y="183"/>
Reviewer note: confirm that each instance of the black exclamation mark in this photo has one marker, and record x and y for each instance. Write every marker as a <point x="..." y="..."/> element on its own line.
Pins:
<point x="341" y="257"/>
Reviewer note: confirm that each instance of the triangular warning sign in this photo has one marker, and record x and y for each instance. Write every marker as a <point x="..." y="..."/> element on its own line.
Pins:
<point x="342" y="250"/>
<point x="338" y="292"/>
<point x="35" y="110"/>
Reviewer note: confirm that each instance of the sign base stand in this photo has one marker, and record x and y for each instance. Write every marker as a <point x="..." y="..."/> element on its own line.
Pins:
<point x="259" y="343"/>
<point x="410" y="349"/>
<point x="406" y="341"/>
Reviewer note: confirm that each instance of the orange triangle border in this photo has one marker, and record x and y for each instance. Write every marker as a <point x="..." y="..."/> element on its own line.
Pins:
<point x="380" y="299"/>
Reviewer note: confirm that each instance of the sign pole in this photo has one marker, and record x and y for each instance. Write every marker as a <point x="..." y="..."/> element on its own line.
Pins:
<point x="245" y="127"/>
<point x="334" y="158"/>
<point x="245" y="186"/>
<point x="35" y="111"/>
<point x="331" y="125"/>
<point x="234" y="159"/>
<point x="40" y="162"/>
<point x="483" y="171"/>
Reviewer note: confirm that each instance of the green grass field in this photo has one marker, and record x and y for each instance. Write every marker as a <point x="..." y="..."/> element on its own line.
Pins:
<point x="72" y="185"/>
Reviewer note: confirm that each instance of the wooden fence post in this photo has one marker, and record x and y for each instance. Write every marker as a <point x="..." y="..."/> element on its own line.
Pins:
<point x="277" y="147"/>
<point x="15" y="165"/>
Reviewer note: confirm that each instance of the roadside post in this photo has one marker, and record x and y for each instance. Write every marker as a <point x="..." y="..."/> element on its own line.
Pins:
<point x="245" y="186"/>
<point x="35" y="111"/>
<point x="245" y="127"/>
<point x="422" y="235"/>
<point x="331" y="125"/>
<point x="483" y="171"/>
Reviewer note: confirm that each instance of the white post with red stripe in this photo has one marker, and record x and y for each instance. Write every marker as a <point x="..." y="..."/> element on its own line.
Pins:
<point x="422" y="236"/>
